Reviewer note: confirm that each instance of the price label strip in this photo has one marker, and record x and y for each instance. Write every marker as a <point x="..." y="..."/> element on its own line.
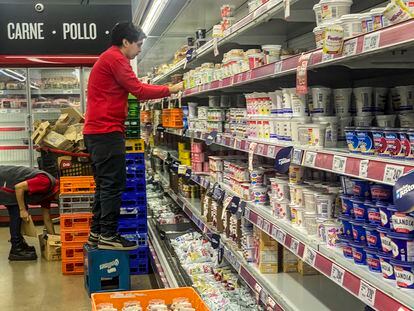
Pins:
<point x="259" y="222"/>
<point x="260" y="149"/>
<point x="278" y="68"/>
<point x="350" y="47"/>
<point x="294" y="246"/>
<point x="280" y="237"/>
<point x="371" y="42"/>
<point x="271" y="151"/>
<point x="297" y="156"/>
<point x="339" y="164"/>
<point x="367" y="293"/>
<point x="252" y="149"/>
<point x="327" y="57"/>
<point x="337" y="274"/>
<point x="392" y="173"/>
<point x="309" y="256"/>
<point x="310" y="159"/>
<point x="266" y="226"/>
<point x="215" y="47"/>
<point x="363" y="168"/>
<point x="274" y="231"/>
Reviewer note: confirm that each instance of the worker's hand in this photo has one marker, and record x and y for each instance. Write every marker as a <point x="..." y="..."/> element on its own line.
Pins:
<point x="24" y="215"/>
<point x="176" y="88"/>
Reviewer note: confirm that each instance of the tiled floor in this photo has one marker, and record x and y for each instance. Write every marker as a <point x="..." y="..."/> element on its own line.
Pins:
<point x="40" y="285"/>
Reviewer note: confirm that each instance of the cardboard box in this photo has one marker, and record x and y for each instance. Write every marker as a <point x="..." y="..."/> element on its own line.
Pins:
<point x="290" y="261"/>
<point x="74" y="132"/>
<point x="57" y="141"/>
<point x="268" y="268"/>
<point x="69" y="116"/>
<point x="50" y="246"/>
<point x="305" y="269"/>
<point x="41" y="130"/>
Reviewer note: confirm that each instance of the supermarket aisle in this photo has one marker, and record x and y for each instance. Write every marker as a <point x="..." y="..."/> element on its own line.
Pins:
<point x="31" y="285"/>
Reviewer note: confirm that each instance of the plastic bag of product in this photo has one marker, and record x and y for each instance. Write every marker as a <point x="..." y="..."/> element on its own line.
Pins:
<point x="105" y="307"/>
<point x="132" y="306"/>
<point x="157" y="305"/>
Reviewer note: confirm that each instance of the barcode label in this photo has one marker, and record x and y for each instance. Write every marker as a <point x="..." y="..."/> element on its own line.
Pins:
<point x="271" y="151"/>
<point x="337" y="274"/>
<point x="310" y="159"/>
<point x="280" y="237"/>
<point x="367" y="293"/>
<point x="309" y="256"/>
<point x="392" y="173"/>
<point x="278" y="67"/>
<point x="215" y="47"/>
<point x="350" y="47"/>
<point x="294" y="246"/>
<point x="371" y="42"/>
<point x="339" y="164"/>
<point x="363" y="168"/>
<point x="297" y="156"/>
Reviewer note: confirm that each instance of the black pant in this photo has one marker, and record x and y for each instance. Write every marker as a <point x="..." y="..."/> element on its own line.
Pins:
<point x="16" y="237"/>
<point x="108" y="163"/>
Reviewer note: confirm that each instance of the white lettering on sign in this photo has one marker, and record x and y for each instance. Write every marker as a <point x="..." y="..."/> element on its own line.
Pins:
<point x="25" y="31"/>
<point x="79" y="31"/>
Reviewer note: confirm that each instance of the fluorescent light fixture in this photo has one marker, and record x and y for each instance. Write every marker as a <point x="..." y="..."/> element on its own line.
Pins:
<point x="153" y="15"/>
<point x="13" y="74"/>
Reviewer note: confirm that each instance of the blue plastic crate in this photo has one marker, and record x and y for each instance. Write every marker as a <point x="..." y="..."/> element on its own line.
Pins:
<point x="133" y="174"/>
<point x="132" y="200"/>
<point x="135" y="225"/>
<point x="133" y="186"/>
<point x="141" y="253"/>
<point x="136" y="160"/>
<point x="133" y="212"/>
<point x="139" y="267"/>
<point x="134" y="156"/>
<point x="140" y="238"/>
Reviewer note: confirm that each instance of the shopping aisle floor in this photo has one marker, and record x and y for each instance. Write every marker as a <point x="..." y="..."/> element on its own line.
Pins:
<point x="40" y="285"/>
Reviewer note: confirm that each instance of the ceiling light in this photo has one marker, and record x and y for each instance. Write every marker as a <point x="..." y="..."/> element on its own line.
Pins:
<point x="153" y="15"/>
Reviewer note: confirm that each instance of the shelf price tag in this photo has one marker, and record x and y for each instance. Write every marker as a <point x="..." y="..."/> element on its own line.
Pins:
<point x="392" y="173"/>
<point x="309" y="256"/>
<point x="327" y="57"/>
<point x="259" y="222"/>
<point x="350" y="47"/>
<point x="271" y="151"/>
<point x="297" y="155"/>
<point x="215" y="47"/>
<point x="280" y="236"/>
<point x="182" y="169"/>
<point x="266" y="226"/>
<point x="67" y="91"/>
<point x="287" y="8"/>
<point x="367" y="293"/>
<point x="271" y="303"/>
<point x="278" y="67"/>
<point x="246" y="213"/>
<point x="252" y="149"/>
<point x="258" y="288"/>
<point x="363" y="168"/>
<point x="339" y="164"/>
<point x="310" y="159"/>
<point x="274" y="231"/>
<point x="337" y="274"/>
<point x="248" y="75"/>
<point x="294" y="246"/>
<point x="260" y="149"/>
<point x="371" y="42"/>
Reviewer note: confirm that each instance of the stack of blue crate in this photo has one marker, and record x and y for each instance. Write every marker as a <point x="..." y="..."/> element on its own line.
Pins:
<point x="133" y="217"/>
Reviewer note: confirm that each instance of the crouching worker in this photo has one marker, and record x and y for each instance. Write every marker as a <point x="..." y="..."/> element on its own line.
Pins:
<point x="20" y="186"/>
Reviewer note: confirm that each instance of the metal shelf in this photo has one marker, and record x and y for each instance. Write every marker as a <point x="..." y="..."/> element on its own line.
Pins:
<point x="55" y="91"/>
<point x="330" y="262"/>
<point x="12" y="92"/>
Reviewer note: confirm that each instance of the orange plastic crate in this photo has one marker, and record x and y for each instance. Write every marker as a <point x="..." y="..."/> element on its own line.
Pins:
<point x="72" y="252"/>
<point x="145" y="116"/>
<point x="72" y="267"/>
<point x="75" y="221"/>
<point x="74" y="236"/>
<point x="77" y="185"/>
<point x="144" y="296"/>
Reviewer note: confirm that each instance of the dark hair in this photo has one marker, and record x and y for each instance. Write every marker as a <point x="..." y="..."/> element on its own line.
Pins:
<point x="128" y="31"/>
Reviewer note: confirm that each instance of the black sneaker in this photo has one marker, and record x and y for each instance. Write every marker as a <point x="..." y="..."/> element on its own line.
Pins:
<point x="93" y="239"/>
<point x="116" y="242"/>
<point x="27" y="247"/>
<point x="21" y="254"/>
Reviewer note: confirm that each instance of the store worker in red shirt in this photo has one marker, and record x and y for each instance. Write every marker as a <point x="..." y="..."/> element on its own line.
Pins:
<point x="110" y="82"/>
<point x="20" y="186"/>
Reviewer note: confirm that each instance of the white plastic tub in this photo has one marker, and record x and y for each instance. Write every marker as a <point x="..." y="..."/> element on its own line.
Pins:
<point x="367" y="24"/>
<point x="378" y="19"/>
<point x="395" y="13"/>
<point x="386" y="120"/>
<point x="351" y="23"/>
<point x="317" y="8"/>
<point x="380" y="100"/>
<point x="312" y="135"/>
<point x="403" y="98"/>
<point x="294" y="124"/>
<point x="333" y="39"/>
<point x="363" y="121"/>
<point x="363" y="100"/>
<point x="343" y="122"/>
<point x="331" y="132"/>
<point x="342" y="101"/>
<point x="321" y="99"/>
<point x="334" y="9"/>
<point x="319" y="32"/>
<point x="299" y="104"/>
<point x="192" y="110"/>
<point x="287" y="102"/>
<point x="271" y="53"/>
<point x="406" y="120"/>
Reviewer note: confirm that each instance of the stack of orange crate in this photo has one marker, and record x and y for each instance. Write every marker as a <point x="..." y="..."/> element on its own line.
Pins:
<point x="76" y="195"/>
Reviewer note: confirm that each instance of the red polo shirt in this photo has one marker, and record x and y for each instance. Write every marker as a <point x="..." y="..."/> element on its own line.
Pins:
<point x="110" y="81"/>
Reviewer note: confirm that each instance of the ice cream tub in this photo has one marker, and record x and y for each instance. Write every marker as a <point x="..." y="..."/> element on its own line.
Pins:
<point x="373" y="261"/>
<point x="386" y="267"/>
<point x="361" y="188"/>
<point x="374" y="216"/>
<point x="402" y="246"/>
<point x="347" y="207"/>
<point x="358" y="252"/>
<point x="380" y="144"/>
<point x="360" y="209"/>
<point x="358" y="230"/>
<point x="372" y="236"/>
<point x="343" y="242"/>
<point x="331" y="230"/>
<point x="405" y="151"/>
<point x="365" y="141"/>
<point x="342" y="102"/>
<point x="385" y="214"/>
<point x="346" y="225"/>
<point x="393" y="142"/>
<point x="386" y="242"/>
<point x="352" y="140"/>
<point x="402" y="222"/>
<point x="386" y="120"/>
<point x="381" y="192"/>
<point x="404" y="273"/>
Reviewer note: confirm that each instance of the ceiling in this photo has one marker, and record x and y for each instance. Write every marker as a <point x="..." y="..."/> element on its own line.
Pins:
<point x="180" y="19"/>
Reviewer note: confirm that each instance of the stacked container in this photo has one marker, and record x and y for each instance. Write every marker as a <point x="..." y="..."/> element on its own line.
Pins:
<point x="132" y="123"/>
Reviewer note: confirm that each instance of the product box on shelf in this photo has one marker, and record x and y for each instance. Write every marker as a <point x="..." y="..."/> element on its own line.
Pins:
<point x="305" y="269"/>
<point x="50" y="247"/>
<point x="290" y="261"/>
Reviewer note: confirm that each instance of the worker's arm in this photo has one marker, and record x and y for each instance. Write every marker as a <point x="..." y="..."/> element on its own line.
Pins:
<point x="126" y="77"/>
<point x="20" y="190"/>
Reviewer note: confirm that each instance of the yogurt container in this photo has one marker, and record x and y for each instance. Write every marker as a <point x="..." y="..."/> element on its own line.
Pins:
<point x="393" y="142"/>
<point x="342" y="102"/>
<point x="309" y="220"/>
<point x="295" y="174"/>
<point x="293" y="213"/>
<point x="280" y="209"/>
<point x="256" y="177"/>
<point x="309" y="200"/>
<point x="317" y="8"/>
<point x="360" y="209"/>
<point x="386" y="242"/>
<point x="351" y="23"/>
<point x="378" y="19"/>
<point x="363" y="100"/>
<point x="347" y="207"/>
<point x="372" y="236"/>
<point x="373" y="260"/>
<point x="352" y="140"/>
<point x="331" y="230"/>
<point x="319" y="33"/>
<point x="385" y="214"/>
<point x="358" y="230"/>
<point x="321" y="101"/>
<point x="331" y="132"/>
<point x="405" y="151"/>
<point x="402" y="222"/>
<point x="365" y="140"/>
<point x="406" y="120"/>
<point x="395" y="13"/>
<point x="259" y="195"/>
<point x="386" y="267"/>
<point x="374" y="216"/>
<point x="367" y="24"/>
<point x="380" y="100"/>
<point x="403" y="98"/>
<point x="380" y="144"/>
<point x="361" y="188"/>
<point x="300" y="216"/>
<point x="299" y="104"/>
<point x="343" y="123"/>
<point x="402" y="245"/>
<point x="363" y="121"/>
<point x="325" y="205"/>
<point x="312" y="135"/>
<point x="271" y="53"/>
<point x="381" y="192"/>
<point x="386" y="120"/>
<point x="333" y="40"/>
<point x="343" y="243"/>
<point x="358" y="253"/>
<point x="334" y="9"/>
<point x="404" y="273"/>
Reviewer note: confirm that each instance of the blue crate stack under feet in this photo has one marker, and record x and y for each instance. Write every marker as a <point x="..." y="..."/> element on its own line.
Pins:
<point x="133" y="218"/>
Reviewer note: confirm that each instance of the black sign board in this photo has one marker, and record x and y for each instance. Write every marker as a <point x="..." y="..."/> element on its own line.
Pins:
<point x="50" y="29"/>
